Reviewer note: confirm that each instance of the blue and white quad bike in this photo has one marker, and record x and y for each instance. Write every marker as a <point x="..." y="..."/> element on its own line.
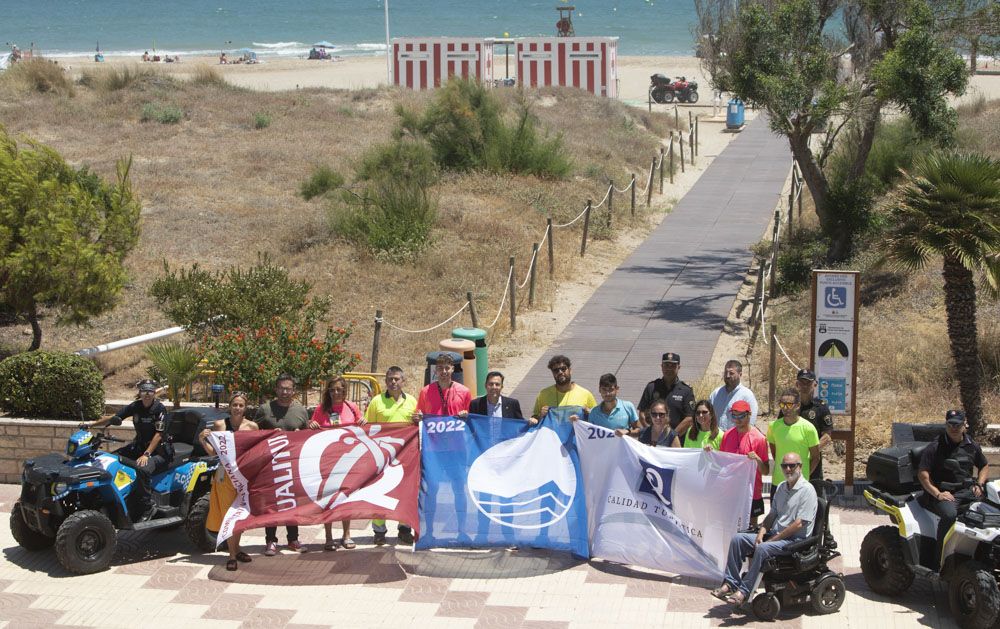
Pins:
<point x="78" y="501"/>
<point x="891" y="556"/>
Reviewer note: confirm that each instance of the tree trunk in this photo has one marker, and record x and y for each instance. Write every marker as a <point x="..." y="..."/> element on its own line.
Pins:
<point x="36" y="330"/>
<point x="864" y="147"/>
<point x="960" y="305"/>
<point x="973" y="55"/>
<point x="819" y="188"/>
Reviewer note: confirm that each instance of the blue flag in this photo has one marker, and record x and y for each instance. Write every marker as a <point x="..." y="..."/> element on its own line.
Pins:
<point x="488" y="481"/>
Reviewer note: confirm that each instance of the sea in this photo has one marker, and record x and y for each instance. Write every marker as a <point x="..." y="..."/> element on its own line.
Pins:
<point x="289" y="28"/>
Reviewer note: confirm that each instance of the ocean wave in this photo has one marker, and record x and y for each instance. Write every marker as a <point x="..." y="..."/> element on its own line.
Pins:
<point x="280" y="44"/>
<point x="364" y="46"/>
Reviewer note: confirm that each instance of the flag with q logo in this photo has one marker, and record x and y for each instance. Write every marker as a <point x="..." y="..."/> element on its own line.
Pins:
<point x="489" y="481"/>
<point x="318" y="476"/>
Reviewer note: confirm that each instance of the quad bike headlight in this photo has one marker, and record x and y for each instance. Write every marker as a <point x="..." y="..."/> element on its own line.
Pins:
<point x="58" y="488"/>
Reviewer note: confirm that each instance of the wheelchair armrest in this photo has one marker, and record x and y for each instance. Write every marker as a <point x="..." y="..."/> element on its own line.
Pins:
<point x="802" y="544"/>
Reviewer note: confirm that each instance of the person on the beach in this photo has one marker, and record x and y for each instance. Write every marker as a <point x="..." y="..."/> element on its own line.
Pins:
<point x="493" y="404"/>
<point x="678" y="396"/>
<point x="336" y="410"/>
<point x="792" y="433"/>
<point x="564" y="392"/>
<point x="613" y="413"/>
<point x="816" y="412"/>
<point x="444" y="396"/>
<point x="659" y="434"/>
<point x="744" y="439"/>
<point x="145" y="55"/>
<point x="705" y="433"/>
<point x="222" y="58"/>
<point x="731" y="390"/>
<point x="223" y="493"/>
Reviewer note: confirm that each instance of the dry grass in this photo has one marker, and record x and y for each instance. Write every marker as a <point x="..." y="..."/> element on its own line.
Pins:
<point x="978" y="129"/>
<point x="216" y="191"/>
<point x="37" y="75"/>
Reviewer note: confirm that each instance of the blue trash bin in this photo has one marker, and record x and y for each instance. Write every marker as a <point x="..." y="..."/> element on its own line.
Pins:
<point x="735" y="114"/>
<point x="430" y="376"/>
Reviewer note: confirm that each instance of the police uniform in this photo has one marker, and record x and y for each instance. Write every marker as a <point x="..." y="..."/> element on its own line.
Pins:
<point x="817" y="413"/>
<point x="679" y="399"/>
<point x="148" y="421"/>
<point x="968" y="455"/>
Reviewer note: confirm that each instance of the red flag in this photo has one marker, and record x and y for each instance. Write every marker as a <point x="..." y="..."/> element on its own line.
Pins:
<point x="318" y="476"/>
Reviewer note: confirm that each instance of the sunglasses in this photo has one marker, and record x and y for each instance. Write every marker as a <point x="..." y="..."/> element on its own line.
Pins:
<point x="787" y="405"/>
<point x="790" y="466"/>
<point x="557" y="369"/>
<point x="657" y="414"/>
<point x="740" y="415"/>
<point x="702" y="413"/>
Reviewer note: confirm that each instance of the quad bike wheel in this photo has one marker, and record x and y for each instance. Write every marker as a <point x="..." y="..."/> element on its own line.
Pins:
<point x="27" y="537"/>
<point x="973" y="596"/>
<point x="203" y="539"/>
<point x="86" y="542"/>
<point x="882" y="562"/>
<point x="692" y="96"/>
<point x="766" y="606"/>
<point x="828" y="595"/>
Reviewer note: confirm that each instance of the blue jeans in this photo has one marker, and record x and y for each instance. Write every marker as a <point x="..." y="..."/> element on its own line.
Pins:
<point x="744" y="544"/>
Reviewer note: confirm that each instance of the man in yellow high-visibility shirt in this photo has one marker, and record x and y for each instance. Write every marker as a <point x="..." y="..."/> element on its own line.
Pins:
<point x="564" y="392"/>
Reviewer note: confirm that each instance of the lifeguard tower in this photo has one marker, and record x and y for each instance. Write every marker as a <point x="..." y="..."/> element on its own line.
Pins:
<point x="564" y="26"/>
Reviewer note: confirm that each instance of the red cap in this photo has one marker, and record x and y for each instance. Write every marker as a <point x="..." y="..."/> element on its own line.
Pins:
<point x="740" y="406"/>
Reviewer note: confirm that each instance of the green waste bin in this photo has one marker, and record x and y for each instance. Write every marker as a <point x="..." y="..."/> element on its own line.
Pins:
<point x="482" y="360"/>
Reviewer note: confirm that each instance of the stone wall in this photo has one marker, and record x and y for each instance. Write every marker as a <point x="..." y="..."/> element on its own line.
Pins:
<point x="22" y="439"/>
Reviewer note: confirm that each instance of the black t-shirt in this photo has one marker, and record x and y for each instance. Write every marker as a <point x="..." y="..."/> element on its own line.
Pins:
<point x="818" y="414"/>
<point x="146" y="421"/>
<point x="679" y="399"/>
<point x="967" y="452"/>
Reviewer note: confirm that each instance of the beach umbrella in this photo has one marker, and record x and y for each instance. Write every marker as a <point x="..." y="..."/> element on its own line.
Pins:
<point x="323" y="44"/>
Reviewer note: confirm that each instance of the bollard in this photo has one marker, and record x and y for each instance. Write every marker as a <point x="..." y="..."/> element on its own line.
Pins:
<point x="611" y="200"/>
<point x="633" y="194"/>
<point x="691" y="145"/>
<point x="531" y="282"/>
<point x="552" y="249"/>
<point x="671" y="163"/>
<point x="677" y="119"/>
<point x="586" y="228"/>
<point x="681" y="136"/>
<point x="472" y="310"/>
<point x="513" y="297"/>
<point x="791" y="204"/>
<point x="375" y="340"/>
<point x="697" y="142"/>
<point x="661" y="173"/>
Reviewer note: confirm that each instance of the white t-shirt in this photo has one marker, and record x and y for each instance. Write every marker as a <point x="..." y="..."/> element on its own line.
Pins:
<point x="723" y="400"/>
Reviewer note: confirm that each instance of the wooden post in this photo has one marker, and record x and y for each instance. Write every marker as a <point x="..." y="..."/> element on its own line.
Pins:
<point x="772" y="380"/>
<point x="690" y="120"/>
<point x="552" y="249"/>
<point x="513" y="297"/>
<point x="649" y="100"/>
<point x="531" y="282"/>
<point x="376" y="340"/>
<point x="677" y="120"/>
<point x="774" y="254"/>
<point x="691" y="145"/>
<point x="697" y="140"/>
<point x="758" y="294"/>
<point x="633" y="193"/>
<point x="472" y="310"/>
<point x="671" y="164"/>
<point x="791" y="205"/>
<point x="681" y="136"/>
<point x="649" y="184"/>
<point x="799" y="186"/>
<point x="611" y="200"/>
<point x="661" y="173"/>
<point x="586" y="228"/>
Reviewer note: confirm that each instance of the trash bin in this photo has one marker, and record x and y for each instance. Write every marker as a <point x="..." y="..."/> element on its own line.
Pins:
<point x="478" y="337"/>
<point x="432" y="357"/>
<point x="735" y="114"/>
<point x="467" y="349"/>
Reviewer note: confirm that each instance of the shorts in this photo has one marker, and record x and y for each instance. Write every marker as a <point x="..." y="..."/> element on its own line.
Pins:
<point x="756" y="507"/>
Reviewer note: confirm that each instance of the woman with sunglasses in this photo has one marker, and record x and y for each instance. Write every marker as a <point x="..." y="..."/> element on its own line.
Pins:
<point x="704" y="433"/>
<point x="223" y="493"/>
<point x="659" y="433"/>
<point x="336" y="410"/>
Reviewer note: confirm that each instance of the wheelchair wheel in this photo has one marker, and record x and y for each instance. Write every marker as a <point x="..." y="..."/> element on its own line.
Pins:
<point x="766" y="606"/>
<point x="828" y="595"/>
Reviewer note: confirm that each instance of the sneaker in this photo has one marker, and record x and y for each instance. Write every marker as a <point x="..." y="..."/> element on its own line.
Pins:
<point x="405" y="537"/>
<point x="271" y="550"/>
<point x="296" y="546"/>
<point x="379" y="539"/>
<point x="148" y="514"/>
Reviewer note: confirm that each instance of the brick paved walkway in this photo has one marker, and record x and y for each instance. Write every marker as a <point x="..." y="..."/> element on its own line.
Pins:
<point x="156" y="582"/>
<point x="675" y="291"/>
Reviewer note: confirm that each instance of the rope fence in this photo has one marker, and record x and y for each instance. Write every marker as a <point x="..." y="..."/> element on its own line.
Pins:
<point x="509" y="296"/>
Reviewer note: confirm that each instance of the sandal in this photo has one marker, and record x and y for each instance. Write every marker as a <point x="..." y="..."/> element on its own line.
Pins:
<point x="348" y="543"/>
<point x="736" y="599"/>
<point x="723" y="592"/>
<point x="330" y="545"/>
<point x="231" y="565"/>
<point x="242" y="556"/>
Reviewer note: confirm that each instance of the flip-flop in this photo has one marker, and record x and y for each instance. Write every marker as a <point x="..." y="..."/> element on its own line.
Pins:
<point x="330" y="545"/>
<point x="231" y="565"/>
<point x="722" y="593"/>
<point x="348" y="543"/>
<point x="242" y="556"/>
<point x="735" y="602"/>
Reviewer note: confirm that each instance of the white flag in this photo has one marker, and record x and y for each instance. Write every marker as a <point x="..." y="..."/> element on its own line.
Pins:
<point x="671" y="509"/>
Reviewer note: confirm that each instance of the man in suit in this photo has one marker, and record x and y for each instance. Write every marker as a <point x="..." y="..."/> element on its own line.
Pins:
<point x="493" y="404"/>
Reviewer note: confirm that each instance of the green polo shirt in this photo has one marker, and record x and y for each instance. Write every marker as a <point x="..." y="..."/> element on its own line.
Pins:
<point x="704" y="436"/>
<point x="384" y="410"/>
<point x="798" y="438"/>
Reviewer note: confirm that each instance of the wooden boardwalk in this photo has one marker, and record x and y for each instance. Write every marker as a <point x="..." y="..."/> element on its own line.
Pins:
<point x="675" y="292"/>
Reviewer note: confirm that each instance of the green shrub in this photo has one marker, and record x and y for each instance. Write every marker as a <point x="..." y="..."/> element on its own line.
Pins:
<point x="261" y="120"/>
<point x="165" y="114"/>
<point x="37" y="75"/>
<point x="402" y="160"/>
<point x="797" y="257"/>
<point x="48" y="384"/>
<point x="114" y="78"/>
<point x="177" y="363"/>
<point x="392" y="218"/>
<point x="322" y="180"/>
<point x="207" y="75"/>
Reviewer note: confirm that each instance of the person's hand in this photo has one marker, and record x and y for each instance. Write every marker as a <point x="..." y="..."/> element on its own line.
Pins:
<point x="760" y="537"/>
<point x="946" y="495"/>
<point x="362" y="421"/>
<point x="574" y="417"/>
<point x="142" y="460"/>
<point x="707" y="447"/>
<point x="417" y="417"/>
<point x="462" y="414"/>
<point x="825" y="440"/>
<point x="545" y="411"/>
<point x="532" y="421"/>
<point x="753" y="456"/>
<point x="203" y="435"/>
<point x="313" y="424"/>
<point x="977" y="490"/>
<point x="620" y="432"/>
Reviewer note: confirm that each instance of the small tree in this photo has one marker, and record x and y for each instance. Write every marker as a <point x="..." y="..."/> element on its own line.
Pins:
<point x="64" y="234"/>
<point x="177" y="363"/>
<point x="949" y="207"/>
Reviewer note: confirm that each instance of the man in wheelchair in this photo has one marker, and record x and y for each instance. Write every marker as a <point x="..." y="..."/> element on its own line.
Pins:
<point x="793" y="512"/>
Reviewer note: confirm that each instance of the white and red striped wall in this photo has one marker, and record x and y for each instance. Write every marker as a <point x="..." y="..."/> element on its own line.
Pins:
<point x="587" y="63"/>
<point x="422" y="63"/>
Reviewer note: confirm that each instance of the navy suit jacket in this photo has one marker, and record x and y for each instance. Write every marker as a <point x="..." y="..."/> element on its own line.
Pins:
<point x="509" y="407"/>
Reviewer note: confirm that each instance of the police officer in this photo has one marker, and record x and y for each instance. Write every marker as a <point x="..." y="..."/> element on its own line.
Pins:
<point x="816" y="412"/>
<point x="672" y="390"/>
<point x="151" y="449"/>
<point x="949" y="491"/>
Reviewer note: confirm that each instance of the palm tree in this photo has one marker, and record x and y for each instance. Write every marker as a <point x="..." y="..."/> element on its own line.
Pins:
<point x="949" y="206"/>
<point x="178" y="364"/>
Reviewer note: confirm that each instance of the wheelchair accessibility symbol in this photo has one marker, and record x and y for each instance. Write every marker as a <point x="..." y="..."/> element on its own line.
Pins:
<point x="835" y="297"/>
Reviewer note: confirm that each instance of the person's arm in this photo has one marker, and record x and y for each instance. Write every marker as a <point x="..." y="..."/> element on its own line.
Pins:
<point x="515" y="409"/>
<point x="676" y="443"/>
<point x="317" y="416"/>
<point x="925" y="481"/>
<point x="814" y="458"/>
<point x="688" y="419"/>
<point x="754" y="408"/>
<point x="789" y="531"/>
<point x="762" y="465"/>
<point x="206" y="444"/>
<point x="466" y="400"/>
<point x="154" y="443"/>
<point x="825" y="428"/>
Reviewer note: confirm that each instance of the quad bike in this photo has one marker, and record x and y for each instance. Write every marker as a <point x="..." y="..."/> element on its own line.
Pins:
<point x="662" y="90"/>
<point x="78" y="501"/>
<point x="893" y="555"/>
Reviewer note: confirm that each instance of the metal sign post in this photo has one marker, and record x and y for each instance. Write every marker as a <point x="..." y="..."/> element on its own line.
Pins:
<point x="834" y="349"/>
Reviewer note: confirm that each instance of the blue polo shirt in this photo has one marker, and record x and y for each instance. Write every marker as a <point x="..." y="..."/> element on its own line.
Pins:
<point x="623" y="416"/>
